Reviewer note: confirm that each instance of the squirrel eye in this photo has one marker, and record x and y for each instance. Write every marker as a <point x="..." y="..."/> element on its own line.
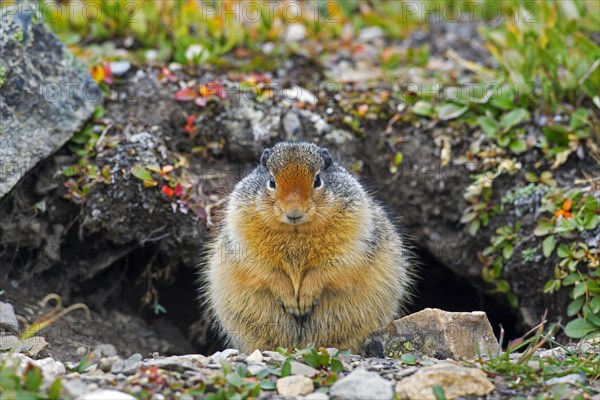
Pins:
<point x="272" y="182"/>
<point x="318" y="181"/>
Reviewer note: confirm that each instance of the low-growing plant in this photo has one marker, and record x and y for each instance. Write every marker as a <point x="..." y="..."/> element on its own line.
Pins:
<point x="573" y="212"/>
<point x="522" y="368"/>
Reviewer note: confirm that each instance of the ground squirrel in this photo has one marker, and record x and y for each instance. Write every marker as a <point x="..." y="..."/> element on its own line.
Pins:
<point x="304" y="255"/>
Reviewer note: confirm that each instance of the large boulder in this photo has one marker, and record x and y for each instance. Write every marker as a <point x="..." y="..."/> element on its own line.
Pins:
<point x="45" y="94"/>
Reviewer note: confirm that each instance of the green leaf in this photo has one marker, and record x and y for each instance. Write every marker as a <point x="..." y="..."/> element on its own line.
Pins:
<point x="438" y="392"/>
<point x="544" y="227"/>
<point x="548" y="246"/>
<point x="474" y="227"/>
<point x="507" y="251"/>
<point x="575" y="306"/>
<point x="234" y="379"/>
<point x="579" y="290"/>
<point x="557" y="134"/>
<point x="141" y="173"/>
<point x="267" y="385"/>
<point x="71" y="170"/>
<point x="423" y="108"/>
<point x="518" y="146"/>
<point x="505" y="99"/>
<point x="595" y="304"/>
<point x="468" y="217"/>
<point x="55" y="389"/>
<point x="33" y="379"/>
<point x="502" y="286"/>
<point x="448" y="111"/>
<point x="398" y="158"/>
<point x="408" y="359"/>
<point x="286" y="368"/>
<point x="591" y="317"/>
<point x="336" y="365"/>
<point x="513" y="118"/>
<point x="489" y="125"/>
<point x="578" y="118"/>
<point x="563" y="251"/>
<point x="591" y="222"/>
<point x="579" y="328"/>
<point x="552" y="286"/>
<point x="571" y="279"/>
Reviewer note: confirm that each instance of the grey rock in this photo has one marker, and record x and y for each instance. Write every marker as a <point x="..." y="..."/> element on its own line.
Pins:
<point x="315" y="396"/>
<point x="120" y="68"/>
<point x="179" y="363"/>
<point x="316" y="123"/>
<point x="255" y="357"/>
<point x="254" y="369"/>
<point x="7" y="342"/>
<point x="294" y="32"/>
<point x="370" y="33"/>
<point x="81" y="351"/>
<point x="104" y="364"/>
<point x="103" y="394"/>
<point x="74" y="387"/>
<point x="105" y="350"/>
<point x="128" y="366"/>
<point x="456" y="380"/>
<point x="291" y="124"/>
<point x="45" y="96"/>
<point x="274" y="356"/>
<point x="435" y="333"/>
<point x="302" y="369"/>
<point x="224" y="355"/>
<point x="297" y="93"/>
<point x="572" y="379"/>
<point x="33" y="345"/>
<point x="50" y="368"/>
<point x="362" y="385"/>
<point x="8" y="319"/>
<point x="249" y="128"/>
<point x="294" y="386"/>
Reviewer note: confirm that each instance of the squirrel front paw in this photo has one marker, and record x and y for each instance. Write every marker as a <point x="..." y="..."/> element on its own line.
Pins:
<point x="300" y="309"/>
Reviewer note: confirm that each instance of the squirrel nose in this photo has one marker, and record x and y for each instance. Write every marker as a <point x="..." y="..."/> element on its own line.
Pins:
<point x="294" y="216"/>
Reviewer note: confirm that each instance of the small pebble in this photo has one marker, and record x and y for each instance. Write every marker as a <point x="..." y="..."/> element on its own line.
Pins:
<point x="255" y="357"/>
<point x="81" y="351"/>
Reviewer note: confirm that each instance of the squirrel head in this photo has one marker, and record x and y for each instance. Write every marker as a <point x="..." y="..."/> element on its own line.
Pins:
<point x="296" y="182"/>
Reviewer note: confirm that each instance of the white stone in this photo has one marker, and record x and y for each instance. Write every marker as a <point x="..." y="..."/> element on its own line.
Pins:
<point x="193" y="51"/>
<point x="294" y="33"/>
<point x="294" y="386"/>
<point x="224" y="355"/>
<point x="255" y="357"/>
<point x="361" y="384"/>
<point x="105" y="395"/>
<point x="297" y="93"/>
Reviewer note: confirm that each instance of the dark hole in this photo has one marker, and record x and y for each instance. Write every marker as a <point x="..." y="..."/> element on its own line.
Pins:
<point x="439" y="287"/>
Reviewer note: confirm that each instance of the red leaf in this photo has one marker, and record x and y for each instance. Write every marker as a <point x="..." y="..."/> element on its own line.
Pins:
<point x="178" y="190"/>
<point x="108" y="78"/>
<point x="167" y="190"/>
<point x="185" y="95"/>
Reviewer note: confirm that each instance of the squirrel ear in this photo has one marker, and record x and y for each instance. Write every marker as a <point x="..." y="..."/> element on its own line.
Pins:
<point x="327" y="158"/>
<point x="265" y="156"/>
